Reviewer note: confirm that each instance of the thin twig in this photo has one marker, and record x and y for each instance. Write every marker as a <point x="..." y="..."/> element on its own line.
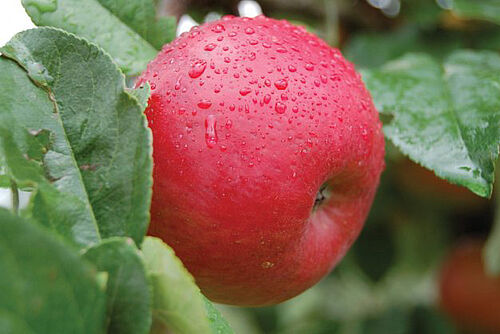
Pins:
<point x="15" y="196"/>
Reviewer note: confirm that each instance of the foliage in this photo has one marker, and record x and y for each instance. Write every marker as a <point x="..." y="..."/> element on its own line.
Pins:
<point x="76" y="259"/>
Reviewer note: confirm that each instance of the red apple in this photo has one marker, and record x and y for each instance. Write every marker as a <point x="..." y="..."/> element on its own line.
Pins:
<point x="467" y="294"/>
<point x="267" y="152"/>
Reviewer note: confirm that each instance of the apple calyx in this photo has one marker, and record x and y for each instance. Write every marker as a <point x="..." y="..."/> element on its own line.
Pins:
<point x="323" y="194"/>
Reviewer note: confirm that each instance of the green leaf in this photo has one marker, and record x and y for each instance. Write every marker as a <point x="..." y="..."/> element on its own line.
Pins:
<point x="101" y="143"/>
<point x="446" y="116"/>
<point x="141" y="94"/>
<point x="45" y="286"/>
<point x="93" y="21"/>
<point x="488" y="10"/>
<point x="128" y="296"/>
<point x="423" y="12"/>
<point x="60" y="201"/>
<point x="373" y="49"/>
<point x="491" y="251"/>
<point x="4" y="181"/>
<point x="178" y="304"/>
<point x="388" y="45"/>
<point x="11" y="324"/>
<point x="140" y="15"/>
<point x="218" y="324"/>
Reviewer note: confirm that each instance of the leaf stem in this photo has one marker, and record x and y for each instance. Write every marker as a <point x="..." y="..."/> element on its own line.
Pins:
<point x="15" y="196"/>
<point x="491" y="251"/>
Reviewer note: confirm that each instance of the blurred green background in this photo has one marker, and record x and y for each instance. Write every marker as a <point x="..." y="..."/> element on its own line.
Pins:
<point x="388" y="282"/>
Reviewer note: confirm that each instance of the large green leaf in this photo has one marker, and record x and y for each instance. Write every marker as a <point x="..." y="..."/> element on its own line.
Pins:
<point x="90" y="19"/>
<point x="102" y="145"/>
<point x="60" y="201"/>
<point x="446" y="116"/>
<point x="478" y="9"/>
<point x="178" y="304"/>
<point x="129" y="300"/>
<point x="45" y="287"/>
<point x="140" y="15"/>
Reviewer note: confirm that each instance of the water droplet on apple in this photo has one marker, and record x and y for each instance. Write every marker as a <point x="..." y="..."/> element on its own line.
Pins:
<point x="210" y="47"/>
<point x="204" y="104"/>
<point x="280" y="108"/>
<point x="309" y="67"/>
<point x="245" y="91"/>
<point x="218" y="28"/>
<point x="281" y="84"/>
<point x="197" y="69"/>
<point x="211" y="131"/>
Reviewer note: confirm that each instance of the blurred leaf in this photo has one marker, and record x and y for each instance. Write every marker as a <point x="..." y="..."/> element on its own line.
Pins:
<point x="178" y="305"/>
<point x="101" y="152"/>
<point x="488" y="10"/>
<point x="128" y="295"/>
<point x="4" y="181"/>
<point x="375" y="250"/>
<point x="374" y="49"/>
<point x="395" y="321"/>
<point x="488" y="39"/>
<point x="141" y="16"/>
<point x="427" y="320"/>
<point x="369" y="50"/>
<point x="44" y="285"/>
<point x="93" y="21"/>
<point x="446" y="116"/>
<point x="423" y="12"/>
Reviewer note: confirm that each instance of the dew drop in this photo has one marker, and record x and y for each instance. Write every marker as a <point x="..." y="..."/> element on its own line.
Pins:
<point x="309" y="67"/>
<point x="249" y="31"/>
<point x="197" y="69"/>
<point x="204" y="104"/>
<point x="292" y="68"/>
<point x="218" y="28"/>
<point x="177" y="85"/>
<point x="267" y="98"/>
<point x="211" y="131"/>
<point x="281" y="84"/>
<point x="210" y="47"/>
<point x="245" y="91"/>
<point x="280" y="107"/>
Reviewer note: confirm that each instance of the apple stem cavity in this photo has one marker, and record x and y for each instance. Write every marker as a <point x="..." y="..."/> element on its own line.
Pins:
<point x="322" y="195"/>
